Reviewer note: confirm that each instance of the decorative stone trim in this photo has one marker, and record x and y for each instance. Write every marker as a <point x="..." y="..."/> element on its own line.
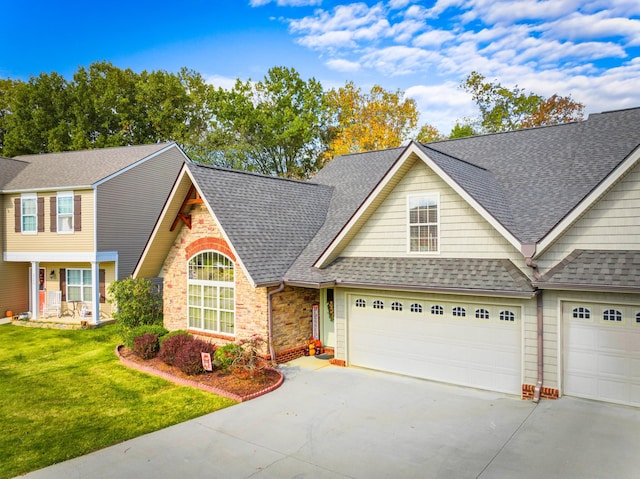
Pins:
<point x="209" y="243"/>
<point x="528" y="391"/>
<point x="195" y="384"/>
<point x="338" y="362"/>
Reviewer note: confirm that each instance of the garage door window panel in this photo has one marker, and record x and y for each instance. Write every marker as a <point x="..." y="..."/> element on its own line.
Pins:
<point x="581" y="312"/>
<point x="612" y="315"/>
<point x="416" y="308"/>
<point x="396" y="306"/>
<point x="482" y="313"/>
<point x="459" y="312"/>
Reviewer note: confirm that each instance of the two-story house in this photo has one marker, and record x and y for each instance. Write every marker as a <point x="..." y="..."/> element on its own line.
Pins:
<point x="74" y="222"/>
<point x="508" y="262"/>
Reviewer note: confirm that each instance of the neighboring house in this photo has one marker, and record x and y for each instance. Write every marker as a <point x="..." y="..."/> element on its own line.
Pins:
<point x="508" y="262"/>
<point x="74" y="222"/>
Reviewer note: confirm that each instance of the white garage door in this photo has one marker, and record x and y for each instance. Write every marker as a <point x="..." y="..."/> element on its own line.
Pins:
<point x="468" y="344"/>
<point x="602" y="352"/>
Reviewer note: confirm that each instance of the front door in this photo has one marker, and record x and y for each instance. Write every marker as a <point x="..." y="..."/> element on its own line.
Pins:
<point x="327" y="329"/>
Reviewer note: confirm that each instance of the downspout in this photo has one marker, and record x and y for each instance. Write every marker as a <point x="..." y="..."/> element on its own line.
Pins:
<point x="540" y="323"/>
<point x="272" y="351"/>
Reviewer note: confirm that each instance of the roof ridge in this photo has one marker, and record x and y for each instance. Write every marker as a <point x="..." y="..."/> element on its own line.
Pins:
<point x="89" y="150"/>
<point x="253" y="173"/>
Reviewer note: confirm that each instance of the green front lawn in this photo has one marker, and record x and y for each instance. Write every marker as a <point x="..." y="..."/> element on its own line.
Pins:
<point x="64" y="394"/>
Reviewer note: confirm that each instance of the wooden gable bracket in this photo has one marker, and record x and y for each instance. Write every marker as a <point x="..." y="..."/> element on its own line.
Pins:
<point x="192" y="198"/>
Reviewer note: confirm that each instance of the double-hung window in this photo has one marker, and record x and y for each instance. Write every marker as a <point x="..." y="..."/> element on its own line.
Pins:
<point x="79" y="286"/>
<point x="211" y="293"/>
<point x="64" y="214"/>
<point x="424" y="219"/>
<point x="29" y="213"/>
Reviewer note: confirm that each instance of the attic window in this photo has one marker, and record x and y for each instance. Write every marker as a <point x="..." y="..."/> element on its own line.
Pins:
<point x="424" y="217"/>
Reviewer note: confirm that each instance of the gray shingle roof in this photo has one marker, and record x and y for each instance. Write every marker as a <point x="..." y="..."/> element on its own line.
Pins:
<point x="541" y="174"/>
<point x="595" y="269"/>
<point x="269" y="220"/>
<point x="75" y="168"/>
<point x="472" y="275"/>
<point x="9" y="168"/>
<point x="352" y="178"/>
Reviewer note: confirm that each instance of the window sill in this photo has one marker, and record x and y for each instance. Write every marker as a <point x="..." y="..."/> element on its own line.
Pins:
<point x="211" y="334"/>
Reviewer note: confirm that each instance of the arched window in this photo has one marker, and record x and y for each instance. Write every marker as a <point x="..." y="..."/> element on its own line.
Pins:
<point x="638" y="317"/>
<point x="437" y="310"/>
<point x="459" y="312"/>
<point x="482" y="313"/>
<point x="612" y="315"/>
<point x="416" y="308"/>
<point x="361" y="303"/>
<point x="507" y="316"/>
<point x="211" y="293"/>
<point x="581" y="313"/>
<point x="378" y="304"/>
<point x="396" y="306"/>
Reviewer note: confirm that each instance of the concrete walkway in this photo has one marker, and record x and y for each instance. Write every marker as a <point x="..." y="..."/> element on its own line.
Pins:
<point x="331" y="422"/>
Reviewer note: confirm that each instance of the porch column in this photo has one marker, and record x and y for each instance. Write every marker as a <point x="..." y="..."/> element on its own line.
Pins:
<point x="34" y="288"/>
<point x="95" y="288"/>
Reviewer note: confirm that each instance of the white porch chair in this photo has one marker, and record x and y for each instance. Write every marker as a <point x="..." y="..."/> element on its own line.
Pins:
<point x="86" y="312"/>
<point x="53" y="304"/>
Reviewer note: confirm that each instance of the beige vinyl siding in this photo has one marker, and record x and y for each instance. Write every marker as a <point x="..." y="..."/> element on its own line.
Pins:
<point x="14" y="292"/>
<point x="46" y="241"/>
<point x="463" y="232"/>
<point x="612" y="223"/>
<point x="129" y="204"/>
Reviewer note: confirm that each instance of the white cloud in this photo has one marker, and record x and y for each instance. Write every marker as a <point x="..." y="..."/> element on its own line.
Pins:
<point x="399" y="60"/>
<point x="226" y="83"/>
<point x="433" y="38"/>
<point x="342" y="65"/>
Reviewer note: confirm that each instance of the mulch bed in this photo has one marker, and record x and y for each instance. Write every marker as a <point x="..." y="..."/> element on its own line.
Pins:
<point x="218" y="382"/>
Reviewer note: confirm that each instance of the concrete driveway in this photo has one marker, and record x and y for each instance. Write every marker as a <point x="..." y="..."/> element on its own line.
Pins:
<point x="331" y="422"/>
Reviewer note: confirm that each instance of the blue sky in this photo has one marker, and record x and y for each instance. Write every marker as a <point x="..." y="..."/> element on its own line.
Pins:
<point x="589" y="49"/>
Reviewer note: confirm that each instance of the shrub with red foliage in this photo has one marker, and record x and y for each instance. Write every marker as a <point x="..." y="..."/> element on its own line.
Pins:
<point x="146" y="346"/>
<point x="188" y="358"/>
<point x="172" y="345"/>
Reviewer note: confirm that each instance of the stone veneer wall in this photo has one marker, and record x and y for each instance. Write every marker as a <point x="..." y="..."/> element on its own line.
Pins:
<point x="251" y="303"/>
<point x="292" y="321"/>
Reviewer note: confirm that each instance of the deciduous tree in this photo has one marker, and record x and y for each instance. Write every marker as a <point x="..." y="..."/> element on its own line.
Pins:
<point x="369" y="121"/>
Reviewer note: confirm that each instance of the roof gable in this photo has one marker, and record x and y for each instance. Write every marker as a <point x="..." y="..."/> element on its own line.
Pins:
<point x="269" y="221"/>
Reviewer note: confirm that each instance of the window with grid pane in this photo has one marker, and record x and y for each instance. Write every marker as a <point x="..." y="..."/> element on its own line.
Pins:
<point x="396" y="306"/>
<point x="459" y="312"/>
<point x="437" y="310"/>
<point x="416" y="308"/>
<point x="64" y="206"/>
<point x="79" y="285"/>
<point x="423" y="223"/>
<point x="581" y="313"/>
<point x="29" y="213"/>
<point x="482" y="313"/>
<point x="612" y="315"/>
<point x="211" y="293"/>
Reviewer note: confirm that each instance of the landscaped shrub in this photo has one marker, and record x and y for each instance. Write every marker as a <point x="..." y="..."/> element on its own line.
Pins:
<point x="146" y="346"/>
<point x="249" y="362"/>
<point x="132" y="334"/>
<point x="189" y="359"/>
<point x="171" y="334"/>
<point x="227" y="355"/>
<point x="137" y="301"/>
<point x="171" y="345"/>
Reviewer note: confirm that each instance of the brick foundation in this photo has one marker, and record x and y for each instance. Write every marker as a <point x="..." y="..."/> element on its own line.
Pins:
<point x="528" y="390"/>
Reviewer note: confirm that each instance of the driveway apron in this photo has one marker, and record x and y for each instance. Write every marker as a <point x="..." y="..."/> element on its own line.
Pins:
<point x="331" y="422"/>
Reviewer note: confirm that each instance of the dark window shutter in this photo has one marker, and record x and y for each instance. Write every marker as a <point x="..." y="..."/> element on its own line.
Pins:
<point x="41" y="214"/>
<point x="77" y="213"/>
<point x="101" y="274"/>
<point x="53" y="214"/>
<point x="63" y="283"/>
<point x="18" y="215"/>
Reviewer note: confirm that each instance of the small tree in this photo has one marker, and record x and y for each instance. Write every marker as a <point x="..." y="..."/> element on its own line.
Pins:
<point x="138" y="303"/>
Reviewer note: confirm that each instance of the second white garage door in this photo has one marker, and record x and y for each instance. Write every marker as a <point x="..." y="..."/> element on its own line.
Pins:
<point x="474" y="345"/>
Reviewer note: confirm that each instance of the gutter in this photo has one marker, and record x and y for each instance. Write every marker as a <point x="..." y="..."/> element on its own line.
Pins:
<point x="272" y="351"/>
<point x="540" y="329"/>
